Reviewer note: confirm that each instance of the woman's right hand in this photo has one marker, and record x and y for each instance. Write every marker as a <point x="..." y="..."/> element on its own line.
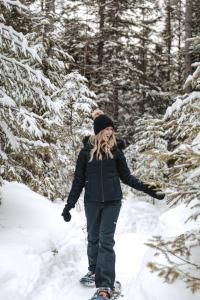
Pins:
<point x="66" y="214"/>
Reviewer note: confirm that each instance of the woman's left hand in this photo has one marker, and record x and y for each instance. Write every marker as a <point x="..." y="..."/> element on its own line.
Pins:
<point x="155" y="192"/>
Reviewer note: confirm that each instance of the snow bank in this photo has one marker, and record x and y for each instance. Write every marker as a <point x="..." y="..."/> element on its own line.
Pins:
<point x="149" y="286"/>
<point x="35" y="242"/>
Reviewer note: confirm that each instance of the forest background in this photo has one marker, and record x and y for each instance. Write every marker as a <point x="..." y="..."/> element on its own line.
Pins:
<point x="138" y="61"/>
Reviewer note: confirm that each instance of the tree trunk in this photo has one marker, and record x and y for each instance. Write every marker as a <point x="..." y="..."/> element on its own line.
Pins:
<point x="179" y="34"/>
<point x="100" y="45"/>
<point x="49" y="9"/>
<point x="188" y="34"/>
<point x="168" y="38"/>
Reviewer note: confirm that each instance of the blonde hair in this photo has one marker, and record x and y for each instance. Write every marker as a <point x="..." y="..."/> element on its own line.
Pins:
<point x="99" y="143"/>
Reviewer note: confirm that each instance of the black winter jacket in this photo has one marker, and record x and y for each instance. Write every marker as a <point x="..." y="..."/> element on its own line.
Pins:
<point x="101" y="178"/>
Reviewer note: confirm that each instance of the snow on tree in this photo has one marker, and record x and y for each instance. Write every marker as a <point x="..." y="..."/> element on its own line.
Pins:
<point x="149" y="135"/>
<point x="77" y="103"/>
<point x="22" y="90"/>
<point x="114" y="44"/>
<point x="181" y="164"/>
<point x="33" y="70"/>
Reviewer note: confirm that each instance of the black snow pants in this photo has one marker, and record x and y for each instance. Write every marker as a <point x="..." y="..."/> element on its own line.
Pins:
<point x="101" y="223"/>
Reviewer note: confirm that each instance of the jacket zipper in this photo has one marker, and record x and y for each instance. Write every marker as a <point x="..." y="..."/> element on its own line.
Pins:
<point x="102" y="184"/>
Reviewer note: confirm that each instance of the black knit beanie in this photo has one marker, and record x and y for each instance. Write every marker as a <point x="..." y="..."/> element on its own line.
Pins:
<point x="101" y="122"/>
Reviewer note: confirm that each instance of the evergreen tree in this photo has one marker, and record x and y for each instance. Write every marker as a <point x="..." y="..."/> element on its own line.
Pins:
<point x="172" y="46"/>
<point x="77" y="102"/>
<point x="150" y="135"/>
<point x="73" y="94"/>
<point x="22" y="90"/>
<point x="115" y="49"/>
<point x="34" y="83"/>
<point x="192" y="28"/>
<point x="182" y="133"/>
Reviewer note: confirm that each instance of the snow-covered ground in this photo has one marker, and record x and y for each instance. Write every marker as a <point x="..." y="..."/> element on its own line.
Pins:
<point x="42" y="257"/>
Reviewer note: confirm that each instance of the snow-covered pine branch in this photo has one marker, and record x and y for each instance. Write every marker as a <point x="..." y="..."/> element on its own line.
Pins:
<point x="26" y="107"/>
<point x="181" y="258"/>
<point x="16" y="41"/>
<point x="77" y="102"/>
<point x="13" y="3"/>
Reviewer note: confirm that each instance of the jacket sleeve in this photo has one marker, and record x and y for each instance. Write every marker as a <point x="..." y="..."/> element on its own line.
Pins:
<point x="128" y="179"/>
<point x="78" y="181"/>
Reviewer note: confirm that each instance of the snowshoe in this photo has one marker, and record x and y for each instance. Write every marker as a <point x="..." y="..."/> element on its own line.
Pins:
<point x="117" y="291"/>
<point x="113" y="294"/>
<point x="88" y="280"/>
<point x="98" y="295"/>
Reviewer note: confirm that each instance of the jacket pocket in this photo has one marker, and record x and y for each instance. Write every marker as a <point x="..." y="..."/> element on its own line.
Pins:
<point x="91" y="189"/>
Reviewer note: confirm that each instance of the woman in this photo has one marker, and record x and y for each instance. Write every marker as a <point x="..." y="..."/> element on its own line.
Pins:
<point x="99" y="167"/>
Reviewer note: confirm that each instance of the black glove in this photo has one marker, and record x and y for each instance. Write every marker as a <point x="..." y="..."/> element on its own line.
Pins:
<point x="159" y="195"/>
<point x="66" y="214"/>
<point x="154" y="192"/>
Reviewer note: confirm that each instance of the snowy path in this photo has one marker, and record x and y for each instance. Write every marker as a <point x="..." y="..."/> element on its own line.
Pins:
<point x="42" y="257"/>
<point x="137" y="220"/>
